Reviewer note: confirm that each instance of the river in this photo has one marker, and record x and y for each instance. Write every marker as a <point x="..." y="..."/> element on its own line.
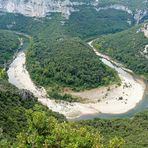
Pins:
<point x="135" y="98"/>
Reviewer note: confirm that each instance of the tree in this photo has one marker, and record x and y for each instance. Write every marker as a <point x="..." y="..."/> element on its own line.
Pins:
<point x="116" y="143"/>
<point x="47" y="132"/>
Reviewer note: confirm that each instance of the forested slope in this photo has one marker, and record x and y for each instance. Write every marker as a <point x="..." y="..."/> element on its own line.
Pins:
<point x="126" y="47"/>
<point x="9" y="43"/>
<point x="25" y="123"/>
<point x="88" y="22"/>
<point x="14" y="102"/>
<point x="134" y="131"/>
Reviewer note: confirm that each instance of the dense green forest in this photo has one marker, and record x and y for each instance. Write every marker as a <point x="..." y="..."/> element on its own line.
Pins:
<point x="13" y="104"/>
<point x="47" y="132"/>
<point x="68" y="64"/>
<point x="26" y="123"/>
<point x="134" y="130"/>
<point x="9" y="43"/>
<point x="126" y="47"/>
<point x="88" y="23"/>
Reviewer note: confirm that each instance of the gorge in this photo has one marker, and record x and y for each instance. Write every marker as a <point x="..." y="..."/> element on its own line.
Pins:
<point x="73" y="73"/>
<point x="109" y="100"/>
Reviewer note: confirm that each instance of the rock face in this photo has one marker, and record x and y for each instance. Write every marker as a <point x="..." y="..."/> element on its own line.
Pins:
<point x="38" y="8"/>
<point x="140" y="14"/>
<point x="25" y="94"/>
<point x="41" y="8"/>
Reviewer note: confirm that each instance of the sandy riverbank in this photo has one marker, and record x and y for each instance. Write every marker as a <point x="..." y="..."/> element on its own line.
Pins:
<point x="115" y="99"/>
<point x="131" y="92"/>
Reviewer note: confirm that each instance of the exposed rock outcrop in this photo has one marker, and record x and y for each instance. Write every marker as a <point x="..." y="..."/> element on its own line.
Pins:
<point x="41" y="8"/>
<point x="25" y="95"/>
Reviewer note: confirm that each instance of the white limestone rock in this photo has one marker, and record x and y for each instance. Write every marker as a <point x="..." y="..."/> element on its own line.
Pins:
<point x="41" y="8"/>
<point x="38" y="8"/>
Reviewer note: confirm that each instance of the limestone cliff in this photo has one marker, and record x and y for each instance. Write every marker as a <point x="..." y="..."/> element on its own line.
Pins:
<point x="41" y="8"/>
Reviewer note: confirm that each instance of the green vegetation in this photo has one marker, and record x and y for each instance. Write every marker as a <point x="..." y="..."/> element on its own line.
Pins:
<point x="88" y="23"/>
<point x="85" y="23"/>
<point x="57" y="59"/>
<point x="71" y="63"/>
<point x="14" y="102"/>
<point x="2" y="73"/>
<point x="45" y="131"/>
<point x="56" y="92"/>
<point x="126" y="47"/>
<point x="133" y="131"/>
<point x="12" y="108"/>
<point x="68" y="64"/>
<point x="8" y="45"/>
<point x="26" y="123"/>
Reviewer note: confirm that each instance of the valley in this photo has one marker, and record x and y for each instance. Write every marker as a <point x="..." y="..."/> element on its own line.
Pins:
<point x="73" y="73"/>
<point x="106" y="100"/>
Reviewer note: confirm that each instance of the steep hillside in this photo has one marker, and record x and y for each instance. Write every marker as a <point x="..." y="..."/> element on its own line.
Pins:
<point x="42" y="8"/>
<point x="85" y="23"/>
<point x="132" y="130"/>
<point x="47" y="132"/>
<point x="13" y="102"/>
<point x="9" y="43"/>
<point x="88" y="22"/>
<point x="128" y="47"/>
